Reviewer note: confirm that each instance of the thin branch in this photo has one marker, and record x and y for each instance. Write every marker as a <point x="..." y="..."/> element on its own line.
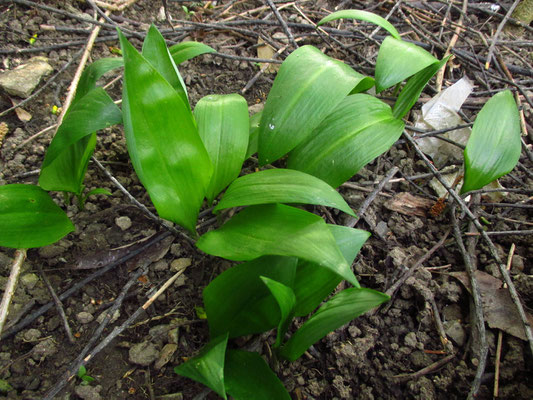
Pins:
<point x="498" y="31"/>
<point x="11" y="285"/>
<point x="282" y="23"/>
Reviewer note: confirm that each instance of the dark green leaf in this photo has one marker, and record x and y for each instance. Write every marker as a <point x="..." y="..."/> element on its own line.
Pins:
<point x="286" y="302"/>
<point x="277" y="229"/>
<point x="165" y="148"/>
<point x="314" y="283"/>
<point x="414" y="86"/>
<point x="342" y="308"/>
<point x="208" y="366"/>
<point x="93" y="72"/>
<point x="248" y="377"/>
<point x="357" y="131"/>
<point x="238" y="302"/>
<point x="223" y="125"/>
<point x="398" y="60"/>
<point x="186" y="50"/>
<point x="494" y="145"/>
<point x="309" y="85"/>
<point x="362" y="16"/>
<point x="30" y="218"/>
<point x="281" y="186"/>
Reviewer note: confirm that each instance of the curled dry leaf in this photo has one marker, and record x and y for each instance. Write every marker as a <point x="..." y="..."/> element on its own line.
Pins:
<point x="498" y="307"/>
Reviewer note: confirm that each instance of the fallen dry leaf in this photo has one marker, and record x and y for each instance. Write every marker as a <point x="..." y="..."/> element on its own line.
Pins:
<point x="407" y="204"/>
<point x="498" y="308"/>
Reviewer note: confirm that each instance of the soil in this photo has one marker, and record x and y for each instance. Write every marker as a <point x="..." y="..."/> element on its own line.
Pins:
<point x="373" y="357"/>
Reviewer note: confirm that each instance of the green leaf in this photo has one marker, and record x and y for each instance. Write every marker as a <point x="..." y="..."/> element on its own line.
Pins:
<point x="248" y="305"/>
<point x="99" y="191"/>
<point x="362" y="16"/>
<point x="342" y="308"/>
<point x="398" y="60"/>
<point x="82" y="371"/>
<point x="223" y="125"/>
<point x="253" y="141"/>
<point x="414" y="86"/>
<point x="155" y="51"/>
<point x="309" y="85"/>
<point x="493" y="148"/>
<point x="68" y="155"/>
<point x="281" y="186"/>
<point x="360" y="129"/>
<point x="248" y="376"/>
<point x="208" y="366"/>
<point x="164" y="146"/>
<point x="30" y="218"/>
<point x="314" y="283"/>
<point x="277" y="229"/>
<point x="94" y="72"/>
<point x="186" y="50"/>
<point x="286" y="302"/>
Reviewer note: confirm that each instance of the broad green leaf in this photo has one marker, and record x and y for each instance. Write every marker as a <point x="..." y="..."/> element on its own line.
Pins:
<point x="362" y="16"/>
<point x="248" y="376"/>
<point x="281" y="186"/>
<point x="67" y="157"/>
<point x="314" y="283"/>
<point x="286" y="302"/>
<point x="398" y="60"/>
<point x="30" y="218"/>
<point x="208" y="366"/>
<point x="253" y="141"/>
<point x="414" y="86"/>
<point x="360" y="129"/>
<point x="341" y="309"/>
<point x="277" y="229"/>
<point x="186" y="50"/>
<point x="155" y="51"/>
<point x="94" y="72"/>
<point x="493" y="148"/>
<point x="163" y="142"/>
<point x="248" y="305"/>
<point x="309" y="85"/>
<point x="223" y="125"/>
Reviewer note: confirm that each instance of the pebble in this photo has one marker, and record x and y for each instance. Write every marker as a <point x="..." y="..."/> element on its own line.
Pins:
<point x="410" y="339"/>
<point x="161" y="265"/>
<point x="455" y="331"/>
<point x="124" y="222"/>
<point x="51" y="251"/>
<point x="31" y="335"/>
<point x="166" y="355"/>
<point x="180" y="264"/>
<point x="44" y="349"/>
<point x="22" y="80"/>
<point x="144" y="353"/>
<point x="84" y="317"/>
<point x="29" y="280"/>
<point x="87" y="392"/>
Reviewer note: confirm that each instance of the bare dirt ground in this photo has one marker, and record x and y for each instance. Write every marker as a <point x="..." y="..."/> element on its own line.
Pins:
<point x="422" y="344"/>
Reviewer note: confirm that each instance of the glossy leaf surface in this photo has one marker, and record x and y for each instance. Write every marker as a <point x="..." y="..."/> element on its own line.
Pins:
<point x="357" y="131"/>
<point x="286" y="299"/>
<point x="398" y="60"/>
<point x="342" y="308"/>
<point x="208" y="366"/>
<point x="248" y="376"/>
<point x="493" y="148"/>
<point x="253" y="141"/>
<point x="186" y="50"/>
<point x="281" y="186"/>
<point x="248" y="305"/>
<point x="277" y="229"/>
<point x="362" y="16"/>
<point x="155" y="51"/>
<point x="94" y="72"/>
<point x="308" y="86"/>
<point x="164" y="146"/>
<point x="30" y="218"/>
<point x="223" y="125"/>
<point x="313" y="283"/>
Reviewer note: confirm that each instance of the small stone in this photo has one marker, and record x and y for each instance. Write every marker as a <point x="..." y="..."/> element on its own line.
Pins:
<point x="29" y="280"/>
<point x="87" y="392"/>
<point x="115" y="316"/>
<point x="144" y="354"/>
<point x="124" y="222"/>
<point x="410" y="339"/>
<point x="22" y="80"/>
<point x="161" y="265"/>
<point x="179" y="264"/>
<point x="44" y="349"/>
<point x="84" y="317"/>
<point x="517" y="263"/>
<point x="382" y="228"/>
<point x="455" y="331"/>
<point x="354" y="331"/>
<point x="51" y="251"/>
<point x="166" y="355"/>
<point x="175" y="249"/>
<point x="31" y="335"/>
